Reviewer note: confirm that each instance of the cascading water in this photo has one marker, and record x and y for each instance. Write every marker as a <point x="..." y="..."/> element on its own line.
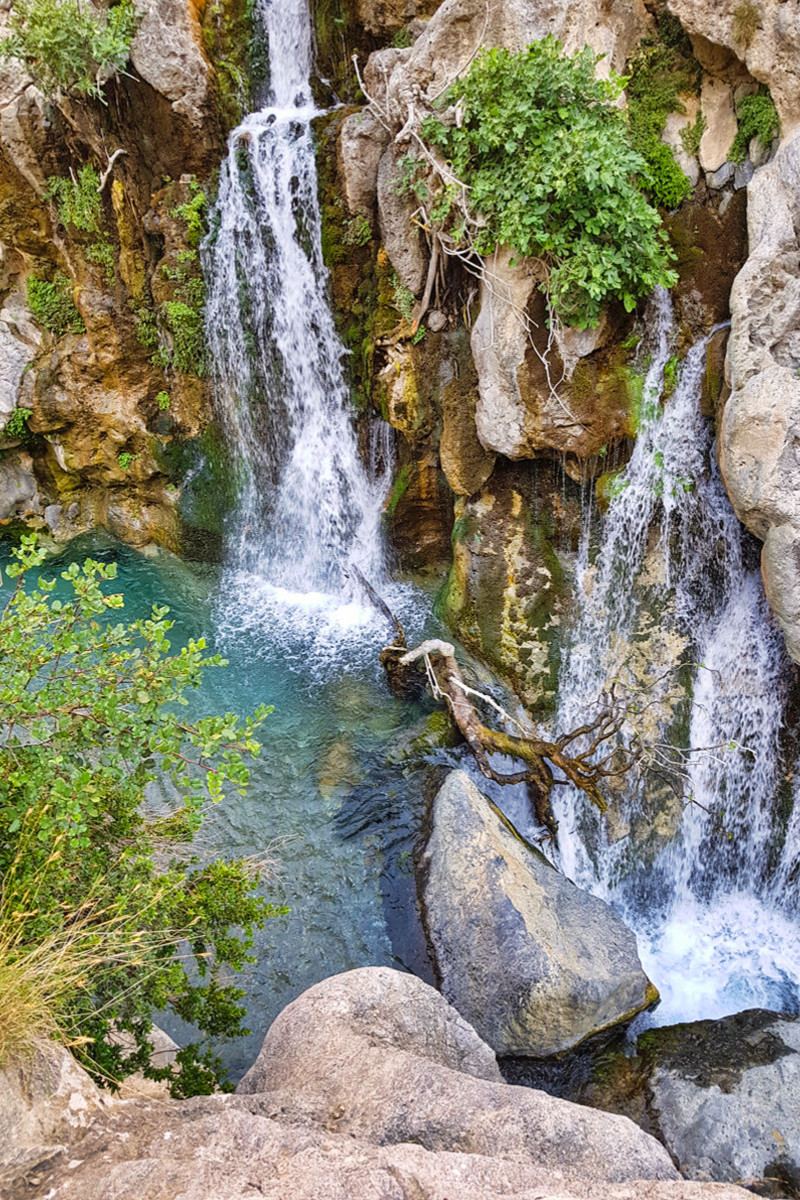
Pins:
<point x="671" y="582"/>
<point x="307" y="506"/>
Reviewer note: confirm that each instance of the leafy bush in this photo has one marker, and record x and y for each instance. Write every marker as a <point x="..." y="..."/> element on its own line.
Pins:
<point x="193" y="213"/>
<point x="77" y="198"/>
<point x="551" y="172"/>
<point x="52" y="305"/>
<point x="757" y="117"/>
<point x="69" y="46"/>
<point x="16" y="426"/>
<point x="82" y="900"/>
<point x="692" y="135"/>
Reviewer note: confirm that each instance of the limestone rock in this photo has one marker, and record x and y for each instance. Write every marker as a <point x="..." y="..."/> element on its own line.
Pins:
<point x="19" y="341"/>
<point x="534" y="963"/>
<point x="48" y="1101"/>
<point x="723" y="1096"/>
<point x="166" y="53"/>
<point x="757" y="437"/>
<point x="466" y="463"/>
<point x="675" y="124"/>
<point x="506" y="588"/>
<point x="362" y="140"/>
<point x="385" y="1093"/>
<point x="716" y="103"/>
<point x="19" y="494"/>
<point x="403" y="241"/>
<point x="772" y="55"/>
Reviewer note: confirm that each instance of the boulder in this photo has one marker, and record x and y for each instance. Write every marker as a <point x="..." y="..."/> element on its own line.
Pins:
<point x="716" y="104"/>
<point x="757" y="433"/>
<point x="723" y="1097"/>
<point x="402" y="239"/>
<point x="362" y="140"/>
<point x="534" y="963"/>
<point x="384" y="1093"/>
<point x="166" y="52"/>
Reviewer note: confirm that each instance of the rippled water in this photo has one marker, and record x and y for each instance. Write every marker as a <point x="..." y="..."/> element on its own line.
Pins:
<point x="338" y="821"/>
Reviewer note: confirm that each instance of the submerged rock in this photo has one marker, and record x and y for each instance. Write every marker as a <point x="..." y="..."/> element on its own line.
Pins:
<point x="533" y="962"/>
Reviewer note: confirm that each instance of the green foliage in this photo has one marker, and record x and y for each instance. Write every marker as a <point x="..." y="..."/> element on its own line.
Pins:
<point x="757" y="117"/>
<point x="162" y="400"/>
<point x="401" y="40"/>
<point x="358" y="231"/>
<point x="661" y="71"/>
<point x="692" y="135"/>
<point x="419" y="336"/>
<point x="69" y="46"/>
<point x="52" y="305"/>
<point x="184" y="321"/>
<point x="193" y="212"/>
<point x="746" y="20"/>
<point x="77" y="198"/>
<point x="551" y="170"/>
<point x="93" y="711"/>
<point x="126" y="459"/>
<point x="670" y="375"/>
<point x="404" y="299"/>
<point x="16" y="427"/>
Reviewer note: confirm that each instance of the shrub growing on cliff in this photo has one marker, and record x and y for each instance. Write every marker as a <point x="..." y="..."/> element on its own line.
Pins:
<point x="91" y="712"/>
<point x="70" y="46"/>
<point x="544" y="159"/>
<point x="51" y="303"/>
<point x="757" y="117"/>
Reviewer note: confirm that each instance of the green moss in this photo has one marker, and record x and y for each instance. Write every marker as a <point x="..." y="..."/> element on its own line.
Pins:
<point x="670" y="375"/>
<point x="399" y="489"/>
<point x="757" y="117"/>
<point x="661" y="71"/>
<point x="52" y="304"/>
<point x="235" y="43"/>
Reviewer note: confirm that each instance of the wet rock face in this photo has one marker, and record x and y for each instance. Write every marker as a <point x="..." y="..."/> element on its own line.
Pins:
<point x="720" y="1095"/>
<point x="534" y="963"/>
<point x="506" y="590"/>
<point x="757" y="437"/>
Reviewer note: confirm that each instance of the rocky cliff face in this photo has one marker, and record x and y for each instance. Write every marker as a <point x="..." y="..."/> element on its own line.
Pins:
<point x="103" y="399"/>
<point x="562" y="406"/>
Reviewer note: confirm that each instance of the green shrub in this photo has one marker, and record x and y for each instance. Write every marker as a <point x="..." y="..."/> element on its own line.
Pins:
<point x="404" y="299"/>
<point x="126" y="459"/>
<point x="193" y="212"/>
<point x="52" y="305"/>
<point x="104" y="915"/>
<point x="102" y="254"/>
<point x="358" y="231"/>
<point x="77" y="198"/>
<point x="552" y="173"/>
<point x="69" y="46"/>
<point x="757" y="117"/>
<point x="162" y="400"/>
<point x="16" y="426"/>
<point x="692" y="135"/>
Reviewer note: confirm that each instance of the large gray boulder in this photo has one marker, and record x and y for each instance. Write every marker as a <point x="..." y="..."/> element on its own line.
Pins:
<point x="723" y="1096"/>
<point x="533" y="962"/>
<point x="376" y="1090"/>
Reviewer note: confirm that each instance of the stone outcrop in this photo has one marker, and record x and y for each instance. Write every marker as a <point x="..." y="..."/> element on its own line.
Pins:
<point x="369" y="1087"/>
<point x="722" y="1096"/>
<point x="757" y="436"/>
<point x="767" y="41"/>
<point x="534" y="963"/>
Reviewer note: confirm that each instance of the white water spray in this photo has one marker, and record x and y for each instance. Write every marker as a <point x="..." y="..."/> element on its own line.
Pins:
<point x="308" y="508"/>
<point x="671" y="582"/>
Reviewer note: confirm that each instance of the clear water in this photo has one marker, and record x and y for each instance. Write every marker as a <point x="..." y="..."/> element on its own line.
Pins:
<point x="668" y="577"/>
<point x="338" y="821"/>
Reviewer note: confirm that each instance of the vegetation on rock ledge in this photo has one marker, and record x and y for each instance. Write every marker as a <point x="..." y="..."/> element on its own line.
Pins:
<point x="540" y="159"/>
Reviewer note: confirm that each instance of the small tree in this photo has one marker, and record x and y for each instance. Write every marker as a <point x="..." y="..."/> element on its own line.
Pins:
<point x="70" y="46"/>
<point x="90" y="714"/>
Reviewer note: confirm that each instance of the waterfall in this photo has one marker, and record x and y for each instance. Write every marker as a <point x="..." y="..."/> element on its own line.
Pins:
<point x="307" y="507"/>
<point x="668" y="579"/>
